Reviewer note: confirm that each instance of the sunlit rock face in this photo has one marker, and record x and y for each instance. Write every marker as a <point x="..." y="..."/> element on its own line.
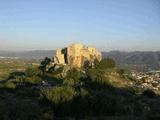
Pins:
<point x="77" y="55"/>
<point x="59" y="57"/>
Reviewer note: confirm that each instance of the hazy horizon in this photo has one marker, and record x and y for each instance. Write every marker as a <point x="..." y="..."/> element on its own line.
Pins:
<point x="106" y="24"/>
<point x="114" y="50"/>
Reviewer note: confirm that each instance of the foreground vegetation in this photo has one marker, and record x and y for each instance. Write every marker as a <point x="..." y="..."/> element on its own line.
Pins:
<point x="64" y="92"/>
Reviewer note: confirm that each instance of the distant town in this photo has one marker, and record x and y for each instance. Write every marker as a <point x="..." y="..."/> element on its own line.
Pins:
<point x="147" y="80"/>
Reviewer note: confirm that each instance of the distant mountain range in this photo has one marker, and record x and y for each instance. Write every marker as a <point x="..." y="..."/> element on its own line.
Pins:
<point x="137" y="60"/>
<point x="36" y="54"/>
<point x="131" y="60"/>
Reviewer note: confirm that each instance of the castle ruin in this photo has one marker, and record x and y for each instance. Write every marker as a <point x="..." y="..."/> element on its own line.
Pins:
<point x="76" y="55"/>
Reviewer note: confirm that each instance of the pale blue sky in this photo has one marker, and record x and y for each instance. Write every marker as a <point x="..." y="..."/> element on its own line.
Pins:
<point x="106" y="24"/>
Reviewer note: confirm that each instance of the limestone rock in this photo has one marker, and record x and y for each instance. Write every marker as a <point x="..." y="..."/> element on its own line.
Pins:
<point x="77" y="55"/>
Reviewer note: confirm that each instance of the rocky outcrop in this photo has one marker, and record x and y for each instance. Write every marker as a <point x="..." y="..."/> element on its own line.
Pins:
<point x="77" y="55"/>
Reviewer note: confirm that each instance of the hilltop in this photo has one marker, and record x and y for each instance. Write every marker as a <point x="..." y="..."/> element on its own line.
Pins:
<point x="142" y="61"/>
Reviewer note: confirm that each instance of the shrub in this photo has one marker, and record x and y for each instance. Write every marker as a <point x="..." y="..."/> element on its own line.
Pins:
<point x="15" y="74"/>
<point x="74" y="74"/>
<point x="70" y="82"/>
<point x="32" y="76"/>
<point x="96" y="63"/>
<point x="97" y="75"/>
<point x="33" y="80"/>
<point x="44" y="65"/>
<point x="58" y="95"/>
<point x="106" y="63"/>
<point x="9" y="85"/>
<point x="31" y="71"/>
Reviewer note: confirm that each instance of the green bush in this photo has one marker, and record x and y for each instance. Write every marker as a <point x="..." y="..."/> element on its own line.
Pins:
<point x="96" y="63"/>
<point x="34" y="80"/>
<point x="97" y="75"/>
<point x="15" y="74"/>
<point x="32" y="71"/>
<point x="58" y="95"/>
<point x="74" y="73"/>
<point x="71" y="82"/>
<point x="106" y="63"/>
<point x="32" y="76"/>
<point x="9" y="85"/>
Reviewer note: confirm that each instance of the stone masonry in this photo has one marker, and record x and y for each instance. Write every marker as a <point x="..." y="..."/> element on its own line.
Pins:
<point x="76" y="55"/>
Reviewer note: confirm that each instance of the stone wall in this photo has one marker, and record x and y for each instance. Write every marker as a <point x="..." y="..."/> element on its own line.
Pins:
<point x="76" y="55"/>
<point x="59" y="57"/>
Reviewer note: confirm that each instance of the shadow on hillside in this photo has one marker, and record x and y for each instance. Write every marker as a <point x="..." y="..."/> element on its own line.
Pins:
<point x="52" y="80"/>
<point x="17" y="104"/>
<point x="108" y="102"/>
<point x="94" y="100"/>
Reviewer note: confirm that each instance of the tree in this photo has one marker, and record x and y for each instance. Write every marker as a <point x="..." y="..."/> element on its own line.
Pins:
<point x="44" y="64"/>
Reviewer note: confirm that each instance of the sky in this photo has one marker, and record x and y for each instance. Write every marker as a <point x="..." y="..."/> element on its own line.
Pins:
<point x="125" y="25"/>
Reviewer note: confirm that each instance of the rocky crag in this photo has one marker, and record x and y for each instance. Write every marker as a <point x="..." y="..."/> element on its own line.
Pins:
<point x="76" y="55"/>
